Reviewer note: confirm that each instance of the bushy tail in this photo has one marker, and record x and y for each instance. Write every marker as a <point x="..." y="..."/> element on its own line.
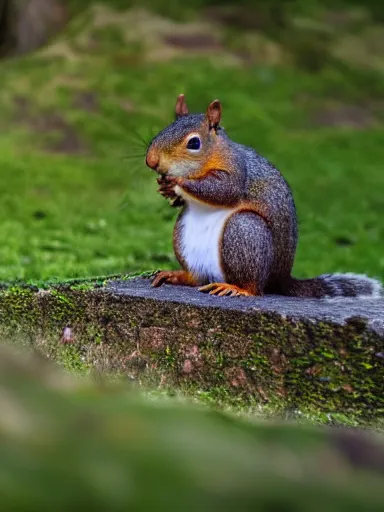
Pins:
<point x="333" y="285"/>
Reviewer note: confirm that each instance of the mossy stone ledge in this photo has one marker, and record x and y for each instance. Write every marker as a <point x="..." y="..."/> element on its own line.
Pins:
<point x="321" y="356"/>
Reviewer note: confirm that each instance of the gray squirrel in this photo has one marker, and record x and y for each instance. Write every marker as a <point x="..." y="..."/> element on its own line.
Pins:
<point x="237" y="231"/>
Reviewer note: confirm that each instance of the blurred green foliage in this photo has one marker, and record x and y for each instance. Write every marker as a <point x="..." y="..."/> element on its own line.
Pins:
<point x="66" y="442"/>
<point x="178" y="8"/>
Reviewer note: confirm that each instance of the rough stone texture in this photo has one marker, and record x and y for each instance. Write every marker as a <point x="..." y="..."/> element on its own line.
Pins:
<point x="339" y="310"/>
<point x="322" y="356"/>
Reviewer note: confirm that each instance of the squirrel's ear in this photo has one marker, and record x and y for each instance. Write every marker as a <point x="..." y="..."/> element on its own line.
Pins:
<point x="214" y="114"/>
<point x="181" y="108"/>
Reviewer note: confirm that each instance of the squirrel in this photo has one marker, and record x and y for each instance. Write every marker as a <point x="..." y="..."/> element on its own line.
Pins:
<point x="237" y="231"/>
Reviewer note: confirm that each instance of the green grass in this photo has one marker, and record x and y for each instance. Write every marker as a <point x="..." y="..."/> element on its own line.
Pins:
<point x="97" y="211"/>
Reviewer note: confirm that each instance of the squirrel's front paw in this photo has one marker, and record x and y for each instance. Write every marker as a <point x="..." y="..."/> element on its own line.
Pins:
<point x="167" y="185"/>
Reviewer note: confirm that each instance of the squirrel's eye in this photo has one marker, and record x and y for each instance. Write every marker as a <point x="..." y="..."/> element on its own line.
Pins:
<point x="194" y="143"/>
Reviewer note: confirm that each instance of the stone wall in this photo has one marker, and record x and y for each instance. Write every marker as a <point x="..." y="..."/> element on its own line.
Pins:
<point x="320" y="356"/>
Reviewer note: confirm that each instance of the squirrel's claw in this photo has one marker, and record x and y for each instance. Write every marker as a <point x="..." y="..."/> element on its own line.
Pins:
<point x="176" y="277"/>
<point x="160" y="279"/>
<point x="224" y="289"/>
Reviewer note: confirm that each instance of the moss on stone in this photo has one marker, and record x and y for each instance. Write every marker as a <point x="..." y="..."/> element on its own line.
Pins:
<point x="225" y="355"/>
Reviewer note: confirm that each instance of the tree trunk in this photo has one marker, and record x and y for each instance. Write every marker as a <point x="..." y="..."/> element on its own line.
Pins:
<point x="26" y="25"/>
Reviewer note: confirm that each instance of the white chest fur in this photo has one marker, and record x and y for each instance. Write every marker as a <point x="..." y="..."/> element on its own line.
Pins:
<point x="201" y="231"/>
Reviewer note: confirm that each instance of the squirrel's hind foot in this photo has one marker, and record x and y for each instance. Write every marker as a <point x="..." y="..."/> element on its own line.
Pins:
<point x="221" y="289"/>
<point x="175" y="277"/>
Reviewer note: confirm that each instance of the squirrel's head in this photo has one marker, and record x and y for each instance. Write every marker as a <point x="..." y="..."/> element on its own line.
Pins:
<point x="184" y="146"/>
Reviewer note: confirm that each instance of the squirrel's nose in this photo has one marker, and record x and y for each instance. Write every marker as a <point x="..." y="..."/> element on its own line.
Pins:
<point x="152" y="159"/>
